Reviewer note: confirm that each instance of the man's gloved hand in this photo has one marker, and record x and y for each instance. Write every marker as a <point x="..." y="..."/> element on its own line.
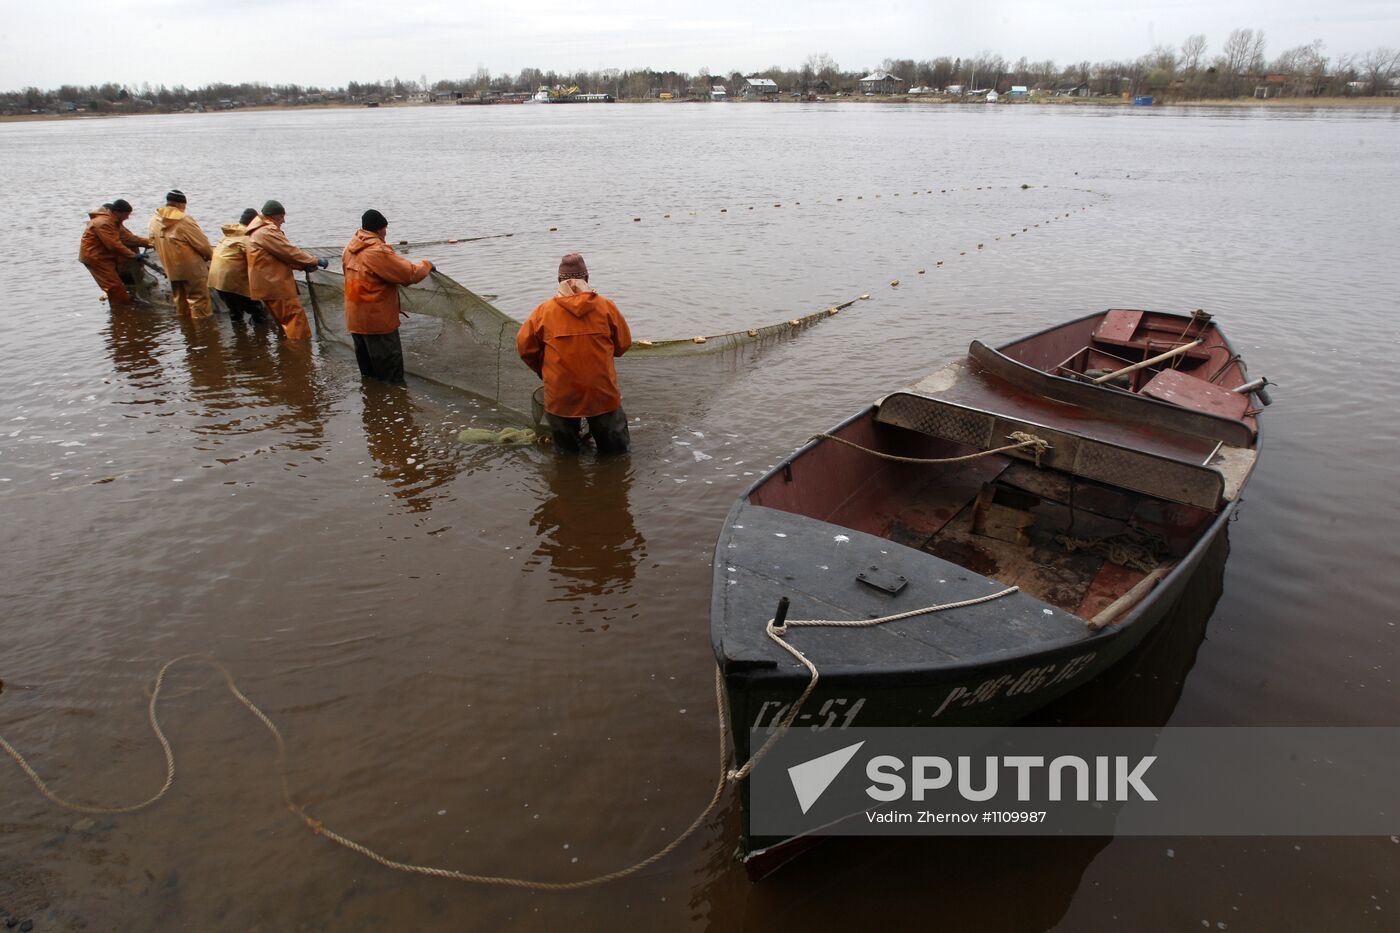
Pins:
<point x="323" y="262"/>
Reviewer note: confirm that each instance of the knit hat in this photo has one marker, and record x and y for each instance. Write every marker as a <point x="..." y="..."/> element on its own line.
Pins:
<point x="373" y="221"/>
<point x="248" y="216"/>
<point x="175" y="196"/>
<point x="119" y="206"/>
<point x="273" y="208"/>
<point x="572" y="267"/>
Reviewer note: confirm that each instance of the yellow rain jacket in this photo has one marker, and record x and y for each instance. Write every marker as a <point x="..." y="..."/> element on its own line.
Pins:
<point x="183" y="248"/>
<point x="228" y="271"/>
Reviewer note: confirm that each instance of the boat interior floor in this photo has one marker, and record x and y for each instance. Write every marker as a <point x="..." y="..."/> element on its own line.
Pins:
<point x="1073" y="543"/>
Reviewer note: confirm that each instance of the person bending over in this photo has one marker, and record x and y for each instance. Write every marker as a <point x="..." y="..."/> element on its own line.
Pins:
<point x="570" y="341"/>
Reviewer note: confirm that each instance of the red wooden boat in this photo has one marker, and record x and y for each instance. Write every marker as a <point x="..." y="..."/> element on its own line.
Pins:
<point x="1092" y="464"/>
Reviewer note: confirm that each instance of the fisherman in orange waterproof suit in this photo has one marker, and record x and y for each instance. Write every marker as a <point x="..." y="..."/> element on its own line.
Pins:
<point x="570" y="341"/>
<point x="271" y="261"/>
<point x="106" y="243"/>
<point x="373" y="274"/>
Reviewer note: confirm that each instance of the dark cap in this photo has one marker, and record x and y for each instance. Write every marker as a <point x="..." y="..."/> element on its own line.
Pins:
<point x="273" y="209"/>
<point x="373" y="221"/>
<point x="572" y="267"/>
<point x="175" y="196"/>
<point x="247" y="216"/>
<point x="120" y="206"/>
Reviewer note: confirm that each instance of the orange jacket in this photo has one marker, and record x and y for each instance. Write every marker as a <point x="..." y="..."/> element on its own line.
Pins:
<point x="105" y="239"/>
<point x="571" y="342"/>
<point x="183" y="248"/>
<point x="373" y="274"/>
<point x="271" y="261"/>
<point x="228" y="270"/>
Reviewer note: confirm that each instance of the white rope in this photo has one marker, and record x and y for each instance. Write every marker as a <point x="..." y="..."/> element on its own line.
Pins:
<point x="776" y="633"/>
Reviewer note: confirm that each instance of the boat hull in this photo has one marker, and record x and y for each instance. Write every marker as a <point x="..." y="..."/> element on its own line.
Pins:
<point x="990" y="694"/>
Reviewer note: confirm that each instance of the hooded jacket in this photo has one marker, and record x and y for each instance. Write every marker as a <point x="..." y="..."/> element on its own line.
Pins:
<point x="271" y="261"/>
<point x="373" y="274"/>
<point x="183" y="248"/>
<point x="228" y="270"/>
<point x="105" y="239"/>
<point x="571" y="341"/>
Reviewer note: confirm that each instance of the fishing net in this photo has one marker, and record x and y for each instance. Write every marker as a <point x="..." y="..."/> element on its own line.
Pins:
<point x="455" y="337"/>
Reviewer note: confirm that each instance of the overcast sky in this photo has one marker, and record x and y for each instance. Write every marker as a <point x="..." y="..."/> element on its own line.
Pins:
<point x="329" y="42"/>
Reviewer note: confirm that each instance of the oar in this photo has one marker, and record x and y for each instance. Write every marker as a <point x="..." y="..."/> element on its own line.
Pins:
<point x="1099" y="380"/>
<point x="1123" y="603"/>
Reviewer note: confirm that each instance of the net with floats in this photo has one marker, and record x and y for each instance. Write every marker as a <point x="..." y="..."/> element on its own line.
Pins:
<point x="456" y="337"/>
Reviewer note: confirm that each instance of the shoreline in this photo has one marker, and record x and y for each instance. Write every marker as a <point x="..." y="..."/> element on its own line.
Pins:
<point x="1304" y="103"/>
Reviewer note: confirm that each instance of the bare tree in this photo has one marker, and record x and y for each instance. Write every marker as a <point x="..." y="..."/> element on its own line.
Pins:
<point x="1256" y="52"/>
<point x="1193" y="51"/>
<point x="1306" y="68"/>
<point x="1243" y="51"/>
<point x="1380" y="65"/>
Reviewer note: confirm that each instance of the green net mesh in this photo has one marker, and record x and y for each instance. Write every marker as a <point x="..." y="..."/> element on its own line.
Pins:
<point x="455" y="337"/>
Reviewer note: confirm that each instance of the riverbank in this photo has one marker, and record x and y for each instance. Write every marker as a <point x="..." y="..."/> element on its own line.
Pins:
<point x="1340" y="103"/>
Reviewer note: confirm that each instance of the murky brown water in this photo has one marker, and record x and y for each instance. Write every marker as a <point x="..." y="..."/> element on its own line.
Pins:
<point x="496" y="661"/>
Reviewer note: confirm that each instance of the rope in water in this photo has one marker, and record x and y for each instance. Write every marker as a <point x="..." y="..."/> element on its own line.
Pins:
<point x="726" y="774"/>
<point x="776" y="633"/>
<point x="1038" y="445"/>
<point x="320" y="828"/>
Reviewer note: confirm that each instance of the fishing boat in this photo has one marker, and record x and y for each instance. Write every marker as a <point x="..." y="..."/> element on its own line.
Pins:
<point x="1062" y="486"/>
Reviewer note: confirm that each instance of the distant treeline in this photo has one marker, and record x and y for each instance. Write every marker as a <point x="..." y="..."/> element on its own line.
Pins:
<point x="1241" y="68"/>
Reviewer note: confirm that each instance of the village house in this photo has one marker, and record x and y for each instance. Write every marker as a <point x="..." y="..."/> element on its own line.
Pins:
<point x="881" y="82"/>
<point x="717" y="92"/>
<point x="760" y="88"/>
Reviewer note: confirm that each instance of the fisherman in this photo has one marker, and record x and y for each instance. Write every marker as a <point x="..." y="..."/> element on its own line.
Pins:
<point x="106" y="244"/>
<point x="271" y="260"/>
<point x="185" y="252"/>
<point x="570" y="341"/>
<point x="228" y="271"/>
<point x="373" y="273"/>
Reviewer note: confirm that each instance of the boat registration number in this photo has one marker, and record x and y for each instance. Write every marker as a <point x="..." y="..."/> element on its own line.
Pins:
<point x="835" y="713"/>
<point x="1027" y="682"/>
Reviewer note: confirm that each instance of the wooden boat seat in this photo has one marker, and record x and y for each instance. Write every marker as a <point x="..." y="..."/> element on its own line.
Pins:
<point x="1173" y="386"/>
<point x="1119" y="329"/>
